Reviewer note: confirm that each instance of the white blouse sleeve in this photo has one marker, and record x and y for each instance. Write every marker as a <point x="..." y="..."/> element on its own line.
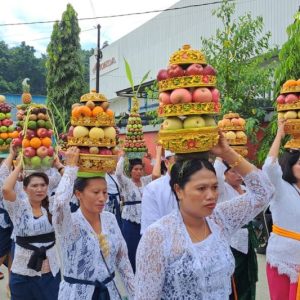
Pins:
<point x="4" y="173"/>
<point x="62" y="219"/>
<point x="123" y="264"/>
<point x="54" y="179"/>
<point x="272" y="168"/>
<point x="150" y="265"/>
<point x="123" y="180"/>
<point x="233" y="214"/>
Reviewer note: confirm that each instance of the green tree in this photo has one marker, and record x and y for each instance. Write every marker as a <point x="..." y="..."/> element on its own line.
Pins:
<point x="240" y="53"/>
<point x="288" y="68"/>
<point x="18" y="63"/>
<point x="65" y="82"/>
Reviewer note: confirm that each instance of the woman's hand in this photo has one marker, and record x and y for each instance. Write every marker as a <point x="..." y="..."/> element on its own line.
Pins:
<point x="280" y="130"/>
<point x="12" y="151"/>
<point x="57" y="163"/>
<point x="222" y="146"/>
<point x="72" y="156"/>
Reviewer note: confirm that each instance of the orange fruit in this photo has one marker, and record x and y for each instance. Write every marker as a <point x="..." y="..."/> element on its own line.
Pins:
<point x="298" y="82"/>
<point x="97" y="111"/>
<point x="35" y="143"/>
<point x="47" y="142"/>
<point x="110" y="112"/>
<point x="4" y="135"/>
<point x="25" y="143"/>
<point x="14" y="134"/>
<point x="76" y="112"/>
<point x="85" y="111"/>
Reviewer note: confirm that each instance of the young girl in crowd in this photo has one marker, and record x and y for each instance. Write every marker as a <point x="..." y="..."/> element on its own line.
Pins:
<point x="283" y="250"/>
<point x="91" y="242"/>
<point x="186" y="254"/>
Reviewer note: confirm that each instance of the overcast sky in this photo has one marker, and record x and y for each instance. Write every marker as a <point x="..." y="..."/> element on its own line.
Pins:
<point x="38" y="36"/>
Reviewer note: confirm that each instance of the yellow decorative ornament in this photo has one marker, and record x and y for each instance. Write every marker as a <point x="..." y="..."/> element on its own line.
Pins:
<point x="89" y="142"/>
<point x="97" y="163"/>
<point x="93" y="96"/>
<point x="186" y="55"/>
<point x="103" y="243"/>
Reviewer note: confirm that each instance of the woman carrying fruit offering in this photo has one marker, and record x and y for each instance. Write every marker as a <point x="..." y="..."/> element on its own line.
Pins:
<point x="283" y="250"/>
<point x="133" y="191"/>
<point x="91" y="242"/>
<point x="243" y="242"/>
<point x="35" y="269"/>
<point x="186" y="254"/>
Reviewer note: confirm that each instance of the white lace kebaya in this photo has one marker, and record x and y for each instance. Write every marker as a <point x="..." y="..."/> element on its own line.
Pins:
<point x="283" y="253"/>
<point x="131" y="193"/>
<point x="4" y="173"/>
<point x="79" y="245"/>
<point x="170" y="266"/>
<point x="25" y="224"/>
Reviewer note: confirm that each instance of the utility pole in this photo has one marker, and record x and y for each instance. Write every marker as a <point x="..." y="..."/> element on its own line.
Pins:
<point x="98" y="57"/>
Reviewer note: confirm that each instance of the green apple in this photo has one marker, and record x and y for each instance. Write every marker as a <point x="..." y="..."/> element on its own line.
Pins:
<point x="209" y="121"/>
<point x="172" y="123"/>
<point x="1" y="142"/>
<point x="32" y="125"/>
<point x="36" y="162"/>
<point x="193" y="122"/>
<point x="47" y="162"/>
<point x="41" y="124"/>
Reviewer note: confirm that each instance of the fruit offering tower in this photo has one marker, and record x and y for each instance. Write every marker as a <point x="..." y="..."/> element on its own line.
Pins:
<point x="35" y="138"/>
<point x="7" y="129"/>
<point x="93" y="132"/>
<point x="188" y="100"/>
<point x="134" y="146"/>
<point x="288" y="108"/>
<point x="233" y="127"/>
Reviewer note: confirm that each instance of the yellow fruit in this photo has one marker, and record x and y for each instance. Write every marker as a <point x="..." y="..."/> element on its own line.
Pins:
<point x="26" y="98"/>
<point x="291" y="114"/>
<point x="230" y="135"/>
<point x="240" y="135"/>
<point x="96" y="133"/>
<point x="110" y="132"/>
<point x="80" y="131"/>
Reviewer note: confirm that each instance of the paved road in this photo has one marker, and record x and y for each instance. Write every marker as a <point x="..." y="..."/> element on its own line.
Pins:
<point x="262" y="286"/>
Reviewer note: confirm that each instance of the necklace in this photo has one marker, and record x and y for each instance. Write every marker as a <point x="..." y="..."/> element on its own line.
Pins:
<point x="194" y="236"/>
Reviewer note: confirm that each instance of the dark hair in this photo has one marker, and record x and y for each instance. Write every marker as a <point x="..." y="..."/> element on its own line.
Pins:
<point x="287" y="161"/>
<point x="81" y="183"/>
<point x="134" y="162"/>
<point x="163" y="167"/>
<point x="45" y="201"/>
<point x="182" y="171"/>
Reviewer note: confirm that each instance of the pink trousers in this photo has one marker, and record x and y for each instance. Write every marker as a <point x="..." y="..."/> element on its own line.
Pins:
<point x="280" y="287"/>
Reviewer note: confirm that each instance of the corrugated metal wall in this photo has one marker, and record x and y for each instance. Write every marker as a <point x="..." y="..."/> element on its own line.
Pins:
<point x="149" y="46"/>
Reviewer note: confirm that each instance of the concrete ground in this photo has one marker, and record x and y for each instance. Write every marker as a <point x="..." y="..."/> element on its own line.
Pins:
<point x="262" y="285"/>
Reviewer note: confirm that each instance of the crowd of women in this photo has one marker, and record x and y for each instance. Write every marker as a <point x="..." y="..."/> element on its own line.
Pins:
<point x="184" y="235"/>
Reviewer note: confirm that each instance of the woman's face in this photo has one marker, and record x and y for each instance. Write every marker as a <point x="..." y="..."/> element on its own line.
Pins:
<point x="233" y="178"/>
<point x="296" y="170"/>
<point x="92" y="199"/>
<point x="37" y="189"/>
<point x="137" y="172"/>
<point x="199" y="196"/>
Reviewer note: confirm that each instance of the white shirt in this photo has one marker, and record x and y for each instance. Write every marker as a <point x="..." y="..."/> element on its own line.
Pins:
<point x="80" y="246"/>
<point x="169" y="266"/>
<point x="111" y="186"/>
<point x="131" y="193"/>
<point x="4" y="172"/>
<point x="158" y="201"/>
<point x="239" y="240"/>
<point x="283" y="253"/>
<point x="20" y="212"/>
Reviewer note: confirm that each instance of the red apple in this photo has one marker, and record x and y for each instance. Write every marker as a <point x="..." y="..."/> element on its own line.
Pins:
<point x="180" y="96"/>
<point x="209" y="70"/>
<point x="215" y="95"/>
<point x="42" y="132"/>
<point x="164" y="98"/>
<point x="42" y="152"/>
<point x="30" y="134"/>
<point x="29" y="152"/>
<point x="17" y="142"/>
<point x="202" y="95"/>
<point x="85" y="150"/>
<point x="7" y="122"/>
<point x="280" y="99"/>
<point x="50" y="151"/>
<point x="162" y="75"/>
<point x="175" y="71"/>
<point x="50" y="133"/>
<point x="194" y="69"/>
<point x="291" y="98"/>
<point x="105" y="152"/>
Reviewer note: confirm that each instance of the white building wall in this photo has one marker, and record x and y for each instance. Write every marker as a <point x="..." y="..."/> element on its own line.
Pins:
<point x="149" y="46"/>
